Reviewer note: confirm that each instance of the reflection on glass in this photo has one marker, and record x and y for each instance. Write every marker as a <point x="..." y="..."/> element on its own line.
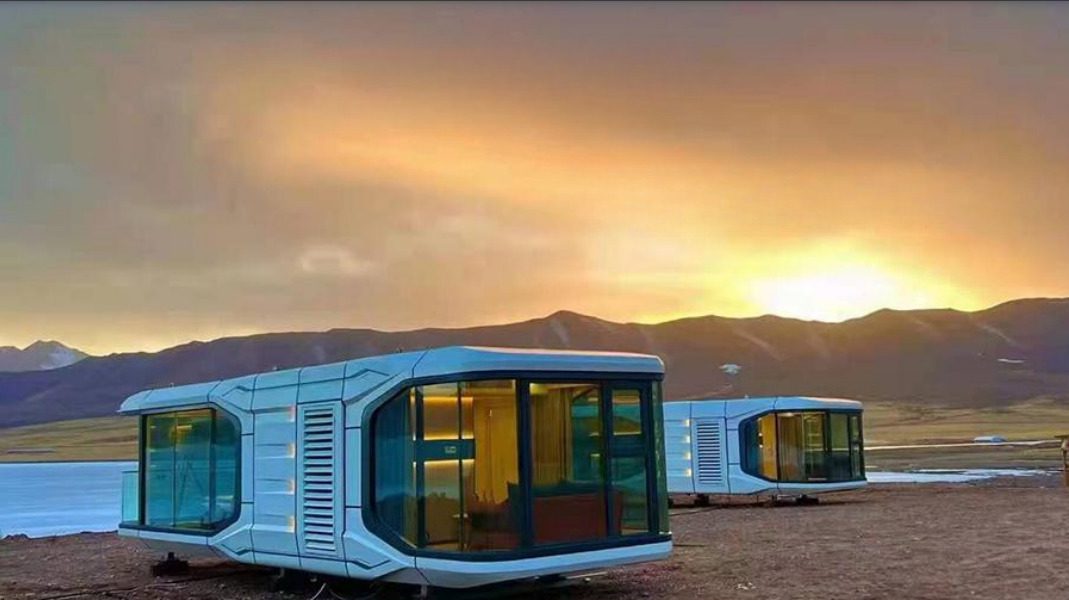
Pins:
<point x="447" y="473"/>
<point x="492" y="477"/>
<point x="803" y="446"/>
<point x="159" y="470"/>
<point x="839" y="435"/>
<point x="629" y="461"/>
<point x="857" y="460"/>
<point x="395" y="465"/>
<point x="191" y="469"/>
<point x="657" y="410"/>
<point x="568" y="503"/>
<point x="813" y="428"/>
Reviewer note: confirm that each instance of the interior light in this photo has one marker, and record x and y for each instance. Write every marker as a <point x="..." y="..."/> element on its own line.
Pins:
<point x="686" y="422"/>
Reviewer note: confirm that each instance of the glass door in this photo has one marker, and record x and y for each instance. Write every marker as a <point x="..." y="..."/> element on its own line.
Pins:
<point x="629" y="460"/>
<point x="815" y="451"/>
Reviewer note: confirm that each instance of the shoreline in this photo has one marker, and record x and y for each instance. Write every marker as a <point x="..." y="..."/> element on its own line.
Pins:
<point x="67" y="461"/>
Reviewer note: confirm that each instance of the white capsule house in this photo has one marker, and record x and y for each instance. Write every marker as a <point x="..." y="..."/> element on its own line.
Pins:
<point x="451" y="467"/>
<point x="784" y="446"/>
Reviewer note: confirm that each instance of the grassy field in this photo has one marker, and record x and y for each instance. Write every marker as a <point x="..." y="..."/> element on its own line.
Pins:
<point x="893" y="424"/>
<point x="104" y="438"/>
<point x="115" y="438"/>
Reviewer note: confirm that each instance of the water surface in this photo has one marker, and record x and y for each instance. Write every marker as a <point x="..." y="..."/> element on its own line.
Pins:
<point x="42" y="499"/>
<point x="948" y="475"/>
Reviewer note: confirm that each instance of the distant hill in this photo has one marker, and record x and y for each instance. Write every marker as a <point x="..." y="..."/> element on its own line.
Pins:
<point x="38" y="356"/>
<point x="1006" y="354"/>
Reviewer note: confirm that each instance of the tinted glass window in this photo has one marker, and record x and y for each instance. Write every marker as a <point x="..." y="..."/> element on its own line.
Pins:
<point x="568" y="487"/>
<point x="803" y="446"/>
<point x="448" y="475"/>
<point x="191" y="470"/>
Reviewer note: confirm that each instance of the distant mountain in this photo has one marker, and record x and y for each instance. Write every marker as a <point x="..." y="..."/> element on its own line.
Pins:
<point x="1010" y="353"/>
<point x="38" y="356"/>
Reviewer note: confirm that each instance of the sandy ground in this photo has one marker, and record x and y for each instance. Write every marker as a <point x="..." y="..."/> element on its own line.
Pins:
<point x="998" y="539"/>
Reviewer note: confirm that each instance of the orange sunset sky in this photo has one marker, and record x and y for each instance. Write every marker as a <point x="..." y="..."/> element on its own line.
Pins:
<point x="190" y="171"/>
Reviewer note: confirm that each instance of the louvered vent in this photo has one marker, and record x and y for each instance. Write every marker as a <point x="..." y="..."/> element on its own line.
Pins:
<point x="318" y="458"/>
<point x="709" y="440"/>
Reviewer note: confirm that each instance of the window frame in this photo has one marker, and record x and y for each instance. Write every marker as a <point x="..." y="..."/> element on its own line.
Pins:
<point x="142" y="471"/>
<point x="644" y="382"/>
<point x="746" y="450"/>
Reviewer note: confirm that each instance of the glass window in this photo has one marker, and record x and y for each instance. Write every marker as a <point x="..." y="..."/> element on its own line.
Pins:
<point x="448" y="476"/>
<point x="492" y="495"/>
<point x="657" y="409"/>
<point x="159" y="470"/>
<point x="839" y="458"/>
<point x="857" y="456"/>
<point x="449" y="480"/>
<point x="568" y="488"/>
<point x="440" y="454"/>
<point x="395" y="465"/>
<point x="803" y="446"/>
<point x="191" y="470"/>
<point x="629" y="461"/>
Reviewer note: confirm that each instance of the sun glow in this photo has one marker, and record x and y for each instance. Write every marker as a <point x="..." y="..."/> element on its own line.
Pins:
<point x="838" y="285"/>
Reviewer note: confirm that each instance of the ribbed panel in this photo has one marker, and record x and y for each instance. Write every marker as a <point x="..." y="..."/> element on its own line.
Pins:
<point x="709" y="441"/>
<point x="317" y="460"/>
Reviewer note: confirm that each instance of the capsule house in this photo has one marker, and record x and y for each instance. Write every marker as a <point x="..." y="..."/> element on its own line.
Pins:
<point x="791" y="446"/>
<point x="450" y="467"/>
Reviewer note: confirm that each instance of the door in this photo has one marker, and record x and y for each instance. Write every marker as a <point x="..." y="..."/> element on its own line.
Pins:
<point x="629" y="462"/>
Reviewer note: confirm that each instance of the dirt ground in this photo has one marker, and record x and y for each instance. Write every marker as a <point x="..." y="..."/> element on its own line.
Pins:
<point x="998" y="539"/>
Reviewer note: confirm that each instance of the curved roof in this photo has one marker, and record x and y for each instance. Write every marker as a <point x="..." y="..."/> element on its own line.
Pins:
<point x="399" y="367"/>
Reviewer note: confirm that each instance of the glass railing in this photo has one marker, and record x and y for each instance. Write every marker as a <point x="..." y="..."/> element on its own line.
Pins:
<point x="131" y="496"/>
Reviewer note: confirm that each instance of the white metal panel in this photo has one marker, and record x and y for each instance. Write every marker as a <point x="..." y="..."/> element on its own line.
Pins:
<point x="274" y="481"/>
<point x="368" y="556"/>
<point x="466" y="574"/>
<point x="322" y="382"/>
<point x="354" y="468"/>
<point x="368" y="379"/>
<point x="462" y="359"/>
<point x="678" y="451"/>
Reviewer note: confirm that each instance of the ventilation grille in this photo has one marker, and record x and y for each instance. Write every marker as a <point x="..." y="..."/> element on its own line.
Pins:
<point x="708" y="436"/>
<point x="318" y="458"/>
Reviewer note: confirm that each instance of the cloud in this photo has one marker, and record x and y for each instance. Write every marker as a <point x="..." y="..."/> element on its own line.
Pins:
<point x="333" y="261"/>
<point x="182" y="170"/>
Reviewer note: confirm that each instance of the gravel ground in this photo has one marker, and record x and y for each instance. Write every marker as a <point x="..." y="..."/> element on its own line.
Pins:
<point x="997" y="539"/>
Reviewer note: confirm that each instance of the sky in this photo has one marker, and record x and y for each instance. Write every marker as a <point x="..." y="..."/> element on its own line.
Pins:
<point x="172" y="172"/>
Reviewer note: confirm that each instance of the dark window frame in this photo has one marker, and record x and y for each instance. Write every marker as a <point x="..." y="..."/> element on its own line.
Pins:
<point x="643" y="381"/>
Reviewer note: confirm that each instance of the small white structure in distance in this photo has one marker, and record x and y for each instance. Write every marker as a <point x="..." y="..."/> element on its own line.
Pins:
<point x="989" y="439"/>
<point x="781" y="446"/>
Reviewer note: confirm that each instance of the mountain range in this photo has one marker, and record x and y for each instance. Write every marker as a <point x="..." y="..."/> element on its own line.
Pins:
<point x="1010" y="353"/>
<point x="40" y="355"/>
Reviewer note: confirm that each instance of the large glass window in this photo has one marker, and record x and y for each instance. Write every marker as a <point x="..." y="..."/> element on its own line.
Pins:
<point x="568" y="488"/>
<point x="804" y="446"/>
<point x="450" y="474"/>
<point x="447" y="466"/>
<point x="191" y="470"/>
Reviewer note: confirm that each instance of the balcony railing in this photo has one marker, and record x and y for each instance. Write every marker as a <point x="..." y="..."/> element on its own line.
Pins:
<point x="131" y="496"/>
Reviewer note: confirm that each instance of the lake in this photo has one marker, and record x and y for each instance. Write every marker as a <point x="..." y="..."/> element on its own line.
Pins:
<point x="42" y="499"/>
